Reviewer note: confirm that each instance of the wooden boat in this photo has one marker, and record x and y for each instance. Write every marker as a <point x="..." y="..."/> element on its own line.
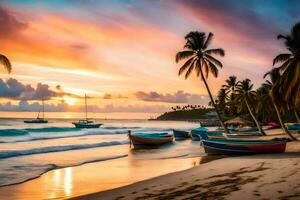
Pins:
<point x="38" y="120"/>
<point x="231" y="146"/>
<point x="225" y="146"/>
<point x="86" y="123"/>
<point x="195" y="133"/>
<point x="181" y="135"/>
<point x="150" y="139"/>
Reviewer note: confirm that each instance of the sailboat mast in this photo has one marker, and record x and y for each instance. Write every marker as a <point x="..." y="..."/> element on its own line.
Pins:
<point x="85" y="108"/>
<point x="43" y="108"/>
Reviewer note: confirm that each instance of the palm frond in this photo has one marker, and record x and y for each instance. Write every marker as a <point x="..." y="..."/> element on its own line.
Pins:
<point x="189" y="71"/>
<point x="183" y="54"/>
<point x="281" y="58"/>
<point x="281" y="37"/>
<point x="213" y="60"/>
<point x="6" y="63"/>
<point x="186" y="65"/>
<point x="218" y="51"/>
<point x="208" y="40"/>
<point x="213" y="69"/>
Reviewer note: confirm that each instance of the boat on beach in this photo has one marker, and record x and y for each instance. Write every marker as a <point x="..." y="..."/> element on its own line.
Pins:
<point x="140" y="140"/>
<point x="195" y="133"/>
<point x="223" y="146"/>
<point x="293" y="127"/>
<point x="38" y="120"/>
<point x="181" y="135"/>
<point x="87" y="122"/>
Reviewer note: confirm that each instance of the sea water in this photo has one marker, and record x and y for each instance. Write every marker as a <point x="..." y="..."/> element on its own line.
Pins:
<point x="29" y="150"/>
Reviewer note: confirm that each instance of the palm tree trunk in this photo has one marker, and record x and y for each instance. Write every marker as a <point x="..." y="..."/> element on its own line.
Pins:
<point x="254" y="118"/>
<point x="297" y="116"/>
<point x="213" y="103"/>
<point x="281" y="122"/>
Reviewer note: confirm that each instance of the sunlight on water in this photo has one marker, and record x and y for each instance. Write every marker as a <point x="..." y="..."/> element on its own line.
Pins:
<point x="68" y="181"/>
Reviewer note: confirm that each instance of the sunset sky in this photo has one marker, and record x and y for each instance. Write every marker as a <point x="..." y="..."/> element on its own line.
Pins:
<point x="121" y="53"/>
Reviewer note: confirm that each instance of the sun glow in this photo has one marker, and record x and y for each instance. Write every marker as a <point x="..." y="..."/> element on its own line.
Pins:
<point x="70" y="100"/>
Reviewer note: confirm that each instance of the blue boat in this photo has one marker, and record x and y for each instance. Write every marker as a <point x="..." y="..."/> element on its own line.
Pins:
<point x="181" y="135"/>
<point x="146" y="140"/>
<point x="229" y="146"/>
<point x="293" y="127"/>
<point x="195" y="133"/>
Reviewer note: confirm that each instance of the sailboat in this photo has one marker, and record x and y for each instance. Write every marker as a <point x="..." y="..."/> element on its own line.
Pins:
<point x="39" y="120"/>
<point x="86" y="123"/>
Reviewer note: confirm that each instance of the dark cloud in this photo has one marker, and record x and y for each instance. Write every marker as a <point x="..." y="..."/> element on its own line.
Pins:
<point x="9" y="24"/>
<point x="177" y="97"/>
<point x="13" y="89"/>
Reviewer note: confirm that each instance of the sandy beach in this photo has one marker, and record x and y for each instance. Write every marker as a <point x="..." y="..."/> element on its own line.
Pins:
<point x="269" y="176"/>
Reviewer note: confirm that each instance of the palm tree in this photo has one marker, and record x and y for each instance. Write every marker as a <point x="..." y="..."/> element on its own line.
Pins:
<point x="264" y="109"/>
<point x="230" y="86"/>
<point x="290" y="67"/>
<point x="245" y="93"/>
<point x="200" y="59"/>
<point x="222" y="99"/>
<point x="5" y="62"/>
<point x="273" y="85"/>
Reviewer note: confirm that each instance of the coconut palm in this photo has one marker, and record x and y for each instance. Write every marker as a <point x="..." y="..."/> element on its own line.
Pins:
<point x="5" y="62"/>
<point x="273" y="85"/>
<point x="245" y="93"/>
<point x="290" y="67"/>
<point x="231" y="86"/>
<point x="222" y="98"/>
<point x="200" y="59"/>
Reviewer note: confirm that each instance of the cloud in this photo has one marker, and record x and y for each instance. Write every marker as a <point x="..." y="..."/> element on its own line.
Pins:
<point x="10" y="25"/>
<point x="23" y="106"/>
<point x="114" y="96"/>
<point x="13" y="89"/>
<point x="177" y="97"/>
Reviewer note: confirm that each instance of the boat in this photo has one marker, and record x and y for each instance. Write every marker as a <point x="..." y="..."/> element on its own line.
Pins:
<point x="38" y="120"/>
<point x="181" y="135"/>
<point x="87" y="122"/>
<point x="293" y="127"/>
<point x="230" y="146"/>
<point x="140" y="140"/>
<point x="246" y="129"/>
<point x="195" y="133"/>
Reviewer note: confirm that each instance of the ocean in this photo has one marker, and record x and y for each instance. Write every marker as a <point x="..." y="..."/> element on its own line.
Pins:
<point x="29" y="150"/>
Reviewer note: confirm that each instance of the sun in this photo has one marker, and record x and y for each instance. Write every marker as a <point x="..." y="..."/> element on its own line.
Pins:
<point x="70" y="100"/>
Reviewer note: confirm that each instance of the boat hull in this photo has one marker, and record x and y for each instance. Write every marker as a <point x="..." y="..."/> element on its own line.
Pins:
<point x="139" y="141"/>
<point x="181" y="135"/>
<point x="77" y="125"/>
<point x="35" y="122"/>
<point x="223" y="147"/>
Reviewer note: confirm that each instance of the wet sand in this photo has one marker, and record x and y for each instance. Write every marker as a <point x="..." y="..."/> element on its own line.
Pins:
<point x="99" y="176"/>
<point x="268" y="176"/>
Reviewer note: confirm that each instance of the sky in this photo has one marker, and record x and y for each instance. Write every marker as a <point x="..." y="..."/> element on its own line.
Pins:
<point x="121" y="53"/>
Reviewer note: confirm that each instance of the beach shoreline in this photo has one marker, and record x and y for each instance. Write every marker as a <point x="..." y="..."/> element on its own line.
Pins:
<point x="266" y="176"/>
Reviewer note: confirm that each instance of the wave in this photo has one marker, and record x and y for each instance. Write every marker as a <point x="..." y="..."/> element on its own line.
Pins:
<point x="24" y="177"/>
<point x="27" y="131"/>
<point x="52" y="129"/>
<point x="13" y="132"/>
<point x="9" y="154"/>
